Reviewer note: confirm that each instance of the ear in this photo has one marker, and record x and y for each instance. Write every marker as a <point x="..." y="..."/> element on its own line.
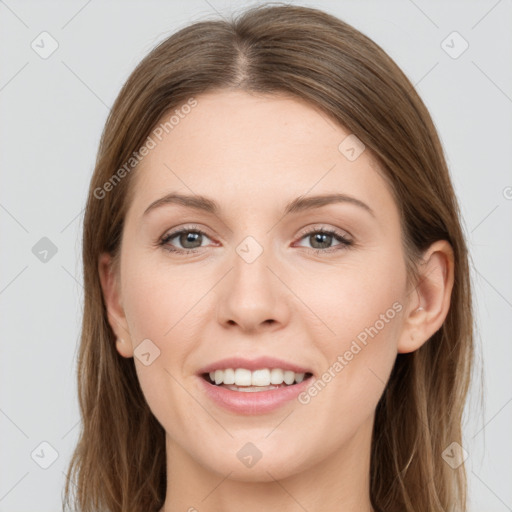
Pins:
<point x="112" y="295"/>
<point x="430" y="300"/>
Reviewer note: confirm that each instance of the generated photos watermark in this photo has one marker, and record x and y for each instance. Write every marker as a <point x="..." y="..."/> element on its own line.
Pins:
<point x="344" y="359"/>
<point x="151" y="142"/>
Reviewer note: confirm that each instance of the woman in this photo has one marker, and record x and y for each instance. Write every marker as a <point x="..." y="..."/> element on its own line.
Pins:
<point x="277" y="311"/>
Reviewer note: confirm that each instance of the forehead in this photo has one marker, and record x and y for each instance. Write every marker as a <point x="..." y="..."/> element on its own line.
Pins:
<point x="253" y="150"/>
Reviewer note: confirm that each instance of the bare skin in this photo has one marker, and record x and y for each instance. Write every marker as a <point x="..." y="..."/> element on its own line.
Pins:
<point x="304" y="299"/>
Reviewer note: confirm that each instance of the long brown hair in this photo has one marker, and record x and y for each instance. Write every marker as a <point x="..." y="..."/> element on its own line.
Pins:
<point x="119" y="463"/>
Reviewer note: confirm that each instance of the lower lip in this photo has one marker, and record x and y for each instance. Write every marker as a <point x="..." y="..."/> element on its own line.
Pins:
<point x="257" y="402"/>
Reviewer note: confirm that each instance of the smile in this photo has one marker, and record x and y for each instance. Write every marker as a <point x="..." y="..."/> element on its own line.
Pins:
<point x="242" y="379"/>
<point x="260" y="391"/>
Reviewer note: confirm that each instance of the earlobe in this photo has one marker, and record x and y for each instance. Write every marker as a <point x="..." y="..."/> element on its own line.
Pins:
<point x="124" y="347"/>
<point x="430" y="301"/>
<point x="112" y="297"/>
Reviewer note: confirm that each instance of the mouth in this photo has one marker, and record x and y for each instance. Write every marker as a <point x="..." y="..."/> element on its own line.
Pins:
<point x="260" y="380"/>
<point x="253" y="386"/>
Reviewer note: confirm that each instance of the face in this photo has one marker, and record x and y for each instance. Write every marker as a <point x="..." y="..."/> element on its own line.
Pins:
<point x="320" y="286"/>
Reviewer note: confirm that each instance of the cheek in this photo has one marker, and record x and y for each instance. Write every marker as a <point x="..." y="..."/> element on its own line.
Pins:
<point x="361" y="299"/>
<point x="369" y="310"/>
<point x="160" y="305"/>
<point x="363" y="308"/>
<point x="156" y="310"/>
<point x="159" y="299"/>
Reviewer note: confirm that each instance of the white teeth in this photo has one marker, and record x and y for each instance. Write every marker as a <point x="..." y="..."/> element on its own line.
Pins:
<point x="289" y="377"/>
<point x="276" y="376"/>
<point x="223" y="376"/>
<point x="242" y="377"/>
<point x="259" y="378"/>
<point x="229" y="376"/>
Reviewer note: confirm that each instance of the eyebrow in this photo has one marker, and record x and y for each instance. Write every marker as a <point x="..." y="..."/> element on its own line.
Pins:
<point x="299" y="204"/>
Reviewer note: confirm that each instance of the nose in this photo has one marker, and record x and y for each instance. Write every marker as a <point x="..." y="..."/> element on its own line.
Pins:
<point x="252" y="296"/>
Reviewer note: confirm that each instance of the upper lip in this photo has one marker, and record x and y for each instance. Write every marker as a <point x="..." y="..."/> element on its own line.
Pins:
<point x="253" y="364"/>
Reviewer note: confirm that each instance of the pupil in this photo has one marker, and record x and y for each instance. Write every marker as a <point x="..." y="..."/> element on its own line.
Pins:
<point x="319" y="236"/>
<point x="189" y="237"/>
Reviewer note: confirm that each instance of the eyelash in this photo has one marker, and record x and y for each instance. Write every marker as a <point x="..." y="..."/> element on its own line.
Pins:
<point x="344" y="242"/>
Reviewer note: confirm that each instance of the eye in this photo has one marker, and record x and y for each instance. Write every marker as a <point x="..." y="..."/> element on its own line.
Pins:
<point x="322" y="238"/>
<point x="189" y="238"/>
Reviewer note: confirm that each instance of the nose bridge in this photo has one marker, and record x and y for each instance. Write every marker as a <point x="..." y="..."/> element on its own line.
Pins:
<point x="251" y="294"/>
<point x="251" y="275"/>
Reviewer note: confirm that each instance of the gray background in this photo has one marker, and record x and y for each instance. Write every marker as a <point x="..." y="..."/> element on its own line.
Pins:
<point x="52" y="113"/>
